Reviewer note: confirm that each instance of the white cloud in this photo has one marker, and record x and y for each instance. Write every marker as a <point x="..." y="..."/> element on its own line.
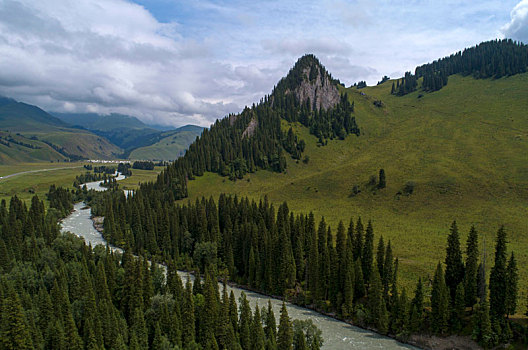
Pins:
<point x="111" y="56"/>
<point x="215" y="57"/>
<point x="517" y="28"/>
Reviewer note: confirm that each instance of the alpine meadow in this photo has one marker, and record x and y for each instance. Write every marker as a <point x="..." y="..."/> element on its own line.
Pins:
<point x="142" y="206"/>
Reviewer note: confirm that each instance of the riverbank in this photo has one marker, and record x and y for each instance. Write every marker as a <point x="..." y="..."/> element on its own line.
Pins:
<point x="419" y="341"/>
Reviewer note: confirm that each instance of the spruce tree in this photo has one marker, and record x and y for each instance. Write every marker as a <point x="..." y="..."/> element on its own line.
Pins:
<point x="498" y="278"/>
<point x="285" y="333"/>
<point x="233" y="311"/>
<point x="138" y="327"/>
<point x="482" y="286"/>
<point x="209" y="316"/>
<point x="188" y="317"/>
<point x="482" y="331"/>
<point x="382" y="183"/>
<point x="380" y="258"/>
<point x="348" y="287"/>
<point x="358" y="240"/>
<point x="439" y="302"/>
<point x="458" y="309"/>
<point x="454" y="273"/>
<point x="14" y="327"/>
<point x="512" y="280"/>
<point x="359" y="283"/>
<point x="416" y="308"/>
<point x="270" y="327"/>
<point x="388" y="270"/>
<point x="470" y="277"/>
<point x="245" y="322"/>
<point x="224" y="330"/>
<point x="367" y="254"/>
<point x="313" y="262"/>
<point x="341" y="249"/>
<point x="324" y="262"/>
<point x="258" y="338"/>
<point x="376" y="303"/>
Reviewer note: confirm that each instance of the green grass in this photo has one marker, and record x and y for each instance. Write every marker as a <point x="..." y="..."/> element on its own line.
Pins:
<point x="12" y="153"/>
<point x="465" y="147"/>
<point x="25" y="186"/>
<point x="82" y="143"/>
<point x="139" y="176"/>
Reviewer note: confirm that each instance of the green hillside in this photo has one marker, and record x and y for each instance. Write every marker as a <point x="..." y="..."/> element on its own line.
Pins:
<point x="139" y="140"/>
<point x="17" y="148"/>
<point x="172" y="145"/>
<point x="52" y="138"/>
<point x="21" y="117"/>
<point x="464" y="148"/>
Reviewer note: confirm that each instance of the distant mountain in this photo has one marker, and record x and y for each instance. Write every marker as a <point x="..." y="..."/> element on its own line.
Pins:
<point x="139" y="140"/>
<point x="19" y="117"/>
<point x="170" y="146"/>
<point x="191" y="128"/>
<point x="17" y="148"/>
<point x="31" y="134"/>
<point x="93" y="121"/>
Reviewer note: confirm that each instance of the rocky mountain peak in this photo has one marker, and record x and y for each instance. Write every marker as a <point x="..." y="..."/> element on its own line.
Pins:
<point x="309" y="80"/>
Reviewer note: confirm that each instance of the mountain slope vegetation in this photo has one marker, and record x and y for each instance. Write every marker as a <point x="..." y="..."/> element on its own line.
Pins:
<point x="172" y="144"/>
<point x="461" y="149"/>
<point x="54" y="139"/>
<point x="139" y="140"/>
<point x="422" y="179"/>
<point x="254" y="139"/>
<point x="457" y="153"/>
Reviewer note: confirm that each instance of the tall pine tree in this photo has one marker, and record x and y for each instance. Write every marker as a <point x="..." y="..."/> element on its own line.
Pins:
<point x="454" y="273"/>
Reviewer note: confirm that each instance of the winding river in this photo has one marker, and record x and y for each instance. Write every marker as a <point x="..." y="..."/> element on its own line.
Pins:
<point x="336" y="334"/>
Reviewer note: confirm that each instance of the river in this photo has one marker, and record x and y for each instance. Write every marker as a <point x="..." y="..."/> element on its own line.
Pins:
<point x="337" y="335"/>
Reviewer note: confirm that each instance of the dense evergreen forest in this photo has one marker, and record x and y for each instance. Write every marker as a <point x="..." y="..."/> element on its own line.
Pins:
<point x="58" y="293"/>
<point x="243" y="143"/>
<point x="344" y="273"/>
<point x="490" y="59"/>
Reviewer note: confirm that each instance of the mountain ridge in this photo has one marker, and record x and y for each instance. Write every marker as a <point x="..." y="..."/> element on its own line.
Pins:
<point x="134" y="136"/>
<point x="41" y="136"/>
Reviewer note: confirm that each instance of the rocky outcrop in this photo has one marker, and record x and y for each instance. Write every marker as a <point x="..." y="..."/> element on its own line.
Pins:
<point x="250" y="130"/>
<point x="321" y="91"/>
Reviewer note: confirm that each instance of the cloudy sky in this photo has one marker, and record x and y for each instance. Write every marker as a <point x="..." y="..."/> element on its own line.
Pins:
<point x="177" y="62"/>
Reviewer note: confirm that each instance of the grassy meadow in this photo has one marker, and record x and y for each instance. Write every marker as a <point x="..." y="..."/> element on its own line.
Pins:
<point x="29" y="184"/>
<point x="26" y="185"/>
<point x="139" y="176"/>
<point x="464" y="147"/>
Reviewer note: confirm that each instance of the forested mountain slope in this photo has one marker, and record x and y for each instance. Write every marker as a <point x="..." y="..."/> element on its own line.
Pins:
<point x="457" y="153"/>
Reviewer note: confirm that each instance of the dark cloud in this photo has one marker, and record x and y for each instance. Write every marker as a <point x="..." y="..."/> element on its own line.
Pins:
<point x="518" y="27"/>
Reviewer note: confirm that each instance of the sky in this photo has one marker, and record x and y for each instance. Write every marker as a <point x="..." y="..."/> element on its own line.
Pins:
<point x="178" y="62"/>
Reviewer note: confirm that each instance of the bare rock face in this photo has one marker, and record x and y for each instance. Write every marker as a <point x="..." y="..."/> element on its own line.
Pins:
<point x="250" y="130"/>
<point x="321" y="91"/>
